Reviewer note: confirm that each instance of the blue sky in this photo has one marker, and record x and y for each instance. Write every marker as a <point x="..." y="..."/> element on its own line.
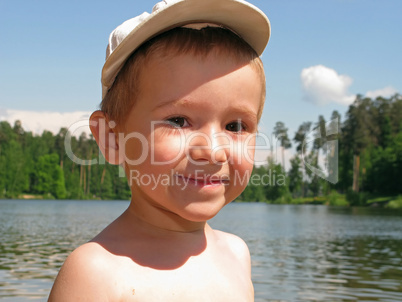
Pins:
<point x="52" y="53"/>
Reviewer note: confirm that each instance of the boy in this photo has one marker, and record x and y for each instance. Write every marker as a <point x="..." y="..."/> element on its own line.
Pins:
<point x="183" y="91"/>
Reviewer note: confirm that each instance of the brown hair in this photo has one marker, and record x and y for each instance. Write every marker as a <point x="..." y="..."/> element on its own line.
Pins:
<point x="121" y="96"/>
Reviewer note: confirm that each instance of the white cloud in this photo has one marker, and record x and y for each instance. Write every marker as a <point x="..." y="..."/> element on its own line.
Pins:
<point x="323" y="85"/>
<point x="38" y="121"/>
<point x="384" y="92"/>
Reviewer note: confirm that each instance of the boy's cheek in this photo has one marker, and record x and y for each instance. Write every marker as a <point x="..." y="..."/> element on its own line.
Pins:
<point x="166" y="151"/>
<point x="243" y="159"/>
<point x="138" y="150"/>
<point x="245" y="152"/>
<point x="250" y="154"/>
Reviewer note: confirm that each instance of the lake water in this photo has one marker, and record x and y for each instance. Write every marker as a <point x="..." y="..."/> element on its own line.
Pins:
<point x="299" y="253"/>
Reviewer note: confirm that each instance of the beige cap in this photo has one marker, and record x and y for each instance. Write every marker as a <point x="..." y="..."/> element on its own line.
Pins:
<point x="243" y="18"/>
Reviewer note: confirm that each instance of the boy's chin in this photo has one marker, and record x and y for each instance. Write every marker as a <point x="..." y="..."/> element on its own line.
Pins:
<point x="202" y="211"/>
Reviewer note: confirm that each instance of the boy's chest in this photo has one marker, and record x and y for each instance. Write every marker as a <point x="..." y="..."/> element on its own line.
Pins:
<point x="191" y="282"/>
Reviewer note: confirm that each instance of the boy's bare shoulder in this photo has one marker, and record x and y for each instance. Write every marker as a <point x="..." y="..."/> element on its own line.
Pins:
<point x="235" y="245"/>
<point x="84" y="275"/>
<point x="233" y="241"/>
<point x="235" y="253"/>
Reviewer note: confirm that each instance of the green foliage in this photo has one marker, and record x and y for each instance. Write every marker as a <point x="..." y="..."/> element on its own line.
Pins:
<point x="336" y="199"/>
<point x="384" y="168"/>
<point x="357" y="198"/>
<point x="268" y="184"/>
<point x="300" y="136"/>
<point x="13" y="175"/>
<point x="49" y="177"/>
<point x="285" y="198"/>
<point x="281" y="134"/>
<point x="395" y="204"/>
<point x="39" y="166"/>
<point x="277" y="185"/>
<point x="295" y="176"/>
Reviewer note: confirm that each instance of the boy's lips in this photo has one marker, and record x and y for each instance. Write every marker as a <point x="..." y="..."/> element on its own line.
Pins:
<point x="204" y="181"/>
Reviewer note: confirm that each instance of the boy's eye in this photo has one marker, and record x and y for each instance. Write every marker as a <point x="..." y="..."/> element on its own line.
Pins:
<point x="235" y="126"/>
<point x="178" y="122"/>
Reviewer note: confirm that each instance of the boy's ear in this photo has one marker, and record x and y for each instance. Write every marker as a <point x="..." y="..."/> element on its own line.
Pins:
<point x="106" y="137"/>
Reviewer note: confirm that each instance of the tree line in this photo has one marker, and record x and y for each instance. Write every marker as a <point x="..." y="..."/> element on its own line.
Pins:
<point x="369" y="145"/>
<point x="369" y="160"/>
<point x="38" y="165"/>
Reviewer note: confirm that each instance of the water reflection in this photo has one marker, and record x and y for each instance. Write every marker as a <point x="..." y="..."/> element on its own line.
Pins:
<point x="36" y="238"/>
<point x="299" y="253"/>
<point x="310" y="253"/>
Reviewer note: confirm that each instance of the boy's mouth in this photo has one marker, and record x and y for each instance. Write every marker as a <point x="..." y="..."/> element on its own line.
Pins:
<point x="211" y="180"/>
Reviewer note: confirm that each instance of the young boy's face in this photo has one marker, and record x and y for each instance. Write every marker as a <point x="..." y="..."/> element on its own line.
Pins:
<point x="189" y="144"/>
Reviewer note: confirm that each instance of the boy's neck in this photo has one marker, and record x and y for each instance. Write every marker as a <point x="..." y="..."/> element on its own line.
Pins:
<point x="164" y="221"/>
<point x="161" y="245"/>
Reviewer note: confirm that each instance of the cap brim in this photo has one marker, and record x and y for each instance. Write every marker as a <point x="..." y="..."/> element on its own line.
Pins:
<point x="249" y="22"/>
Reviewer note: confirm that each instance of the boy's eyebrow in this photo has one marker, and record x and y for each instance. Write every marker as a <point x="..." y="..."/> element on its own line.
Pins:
<point x="187" y="103"/>
<point x="246" y="112"/>
<point x="180" y="102"/>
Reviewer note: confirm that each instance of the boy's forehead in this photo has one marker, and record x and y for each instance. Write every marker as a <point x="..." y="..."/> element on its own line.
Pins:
<point x="157" y="69"/>
<point x="184" y="80"/>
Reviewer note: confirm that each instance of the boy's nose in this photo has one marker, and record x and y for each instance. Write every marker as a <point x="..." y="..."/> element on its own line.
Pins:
<point x="208" y="146"/>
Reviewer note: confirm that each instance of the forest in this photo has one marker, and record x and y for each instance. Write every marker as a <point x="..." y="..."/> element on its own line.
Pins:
<point x="369" y="162"/>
